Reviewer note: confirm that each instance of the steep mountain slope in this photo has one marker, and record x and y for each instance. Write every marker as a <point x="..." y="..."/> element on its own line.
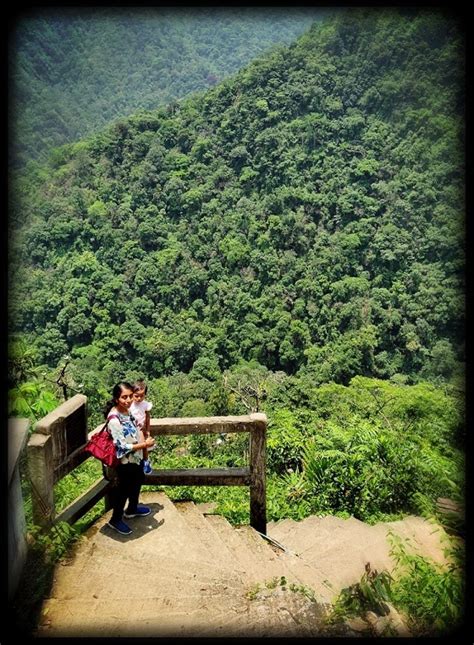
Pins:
<point x="306" y="213"/>
<point x="74" y="70"/>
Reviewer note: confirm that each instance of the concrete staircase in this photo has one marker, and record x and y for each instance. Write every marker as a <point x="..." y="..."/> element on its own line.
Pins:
<point x="185" y="573"/>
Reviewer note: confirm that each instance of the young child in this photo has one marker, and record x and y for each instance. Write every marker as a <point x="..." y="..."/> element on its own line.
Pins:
<point x="140" y="410"/>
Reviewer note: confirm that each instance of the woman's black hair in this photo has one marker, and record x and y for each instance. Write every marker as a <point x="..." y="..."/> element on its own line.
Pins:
<point x="116" y="392"/>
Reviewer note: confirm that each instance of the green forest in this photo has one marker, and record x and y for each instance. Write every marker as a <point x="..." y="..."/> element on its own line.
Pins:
<point x="289" y="240"/>
<point x="305" y="214"/>
<point x="74" y="70"/>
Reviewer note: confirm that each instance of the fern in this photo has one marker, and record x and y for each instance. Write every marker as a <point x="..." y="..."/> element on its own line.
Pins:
<point x="296" y="485"/>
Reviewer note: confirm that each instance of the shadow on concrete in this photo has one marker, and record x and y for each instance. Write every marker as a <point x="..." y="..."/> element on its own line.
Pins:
<point x="140" y="525"/>
<point x="35" y="584"/>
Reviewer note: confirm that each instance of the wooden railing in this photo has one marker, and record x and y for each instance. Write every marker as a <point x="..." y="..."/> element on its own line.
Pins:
<point x="57" y="447"/>
<point x="252" y="476"/>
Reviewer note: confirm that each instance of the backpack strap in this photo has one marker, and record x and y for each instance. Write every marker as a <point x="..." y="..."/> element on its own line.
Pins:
<point x="112" y="416"/>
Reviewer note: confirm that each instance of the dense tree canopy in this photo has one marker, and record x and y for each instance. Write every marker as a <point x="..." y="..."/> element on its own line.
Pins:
<point x="74" y="70"/>
<point x="305" y="213"/>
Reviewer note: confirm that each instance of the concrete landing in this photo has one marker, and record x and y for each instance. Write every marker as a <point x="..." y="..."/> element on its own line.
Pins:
<point x="185" y="573"/>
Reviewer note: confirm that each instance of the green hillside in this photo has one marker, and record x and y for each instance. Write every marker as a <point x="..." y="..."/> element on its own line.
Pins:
<point x="289" y="241"/>
<point x="74" y="70"/>
<point x="306" y="213"/>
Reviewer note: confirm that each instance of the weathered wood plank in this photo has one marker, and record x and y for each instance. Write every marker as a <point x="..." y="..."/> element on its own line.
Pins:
<point x="200" y="477"/>
<point x="205" y="425"/>
<point x="258" y="504"/>
<point x="67" y="425"/>
<point x="80" y="506"/>
<point x="202" y="425"/>
<point x="71" y="462"/>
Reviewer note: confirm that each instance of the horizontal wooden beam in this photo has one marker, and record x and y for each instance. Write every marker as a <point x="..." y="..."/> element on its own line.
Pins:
<point x="203" y="425"/>
<point x="206" y="425"/>
<point x="82" y="504"/>
<point x="200" y="477"/>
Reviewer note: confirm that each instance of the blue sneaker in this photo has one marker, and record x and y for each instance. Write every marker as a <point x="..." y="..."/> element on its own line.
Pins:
<point x="120" y="526"/>
<point x="140" y="512"/>
<point x="147" y="469"/>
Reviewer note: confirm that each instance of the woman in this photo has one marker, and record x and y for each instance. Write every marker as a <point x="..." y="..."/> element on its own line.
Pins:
<point x="130" y="453"/>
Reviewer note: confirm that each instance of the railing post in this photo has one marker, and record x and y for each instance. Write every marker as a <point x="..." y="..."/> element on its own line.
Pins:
<point x="67" y="425"/>
<point x="258" y="504"/>
<point x="40" y="466"/>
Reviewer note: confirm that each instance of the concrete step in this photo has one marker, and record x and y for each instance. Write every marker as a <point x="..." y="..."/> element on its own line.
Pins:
<point x="340" y="549"/>
<point x="206" y="534"/>
<point x="311" y="543"/>
<point x="280" y="526"/>
<point x="190" y="574"/>
<point x="312" y="532"/>
<point x="280" y="530"/>
<point x="247" y="547"/>
<point x="241" y="550"/>
<point x="268" y="565"/>
<point x="178" y="539"/>
<point x="335" y="552"/>
<point x="170" y="613"/>
<point x="420" y="536"/>
<point x="168" y="547"/>
<point x="311" y="576"/>
<point x="154" y="575"/>
<point x="280" y="614"/>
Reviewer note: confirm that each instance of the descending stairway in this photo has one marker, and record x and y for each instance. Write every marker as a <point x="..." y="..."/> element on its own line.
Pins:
<point x="186" y="573"/>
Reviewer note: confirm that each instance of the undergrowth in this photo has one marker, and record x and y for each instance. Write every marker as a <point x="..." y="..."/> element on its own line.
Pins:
<point x="429" y="595"/>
